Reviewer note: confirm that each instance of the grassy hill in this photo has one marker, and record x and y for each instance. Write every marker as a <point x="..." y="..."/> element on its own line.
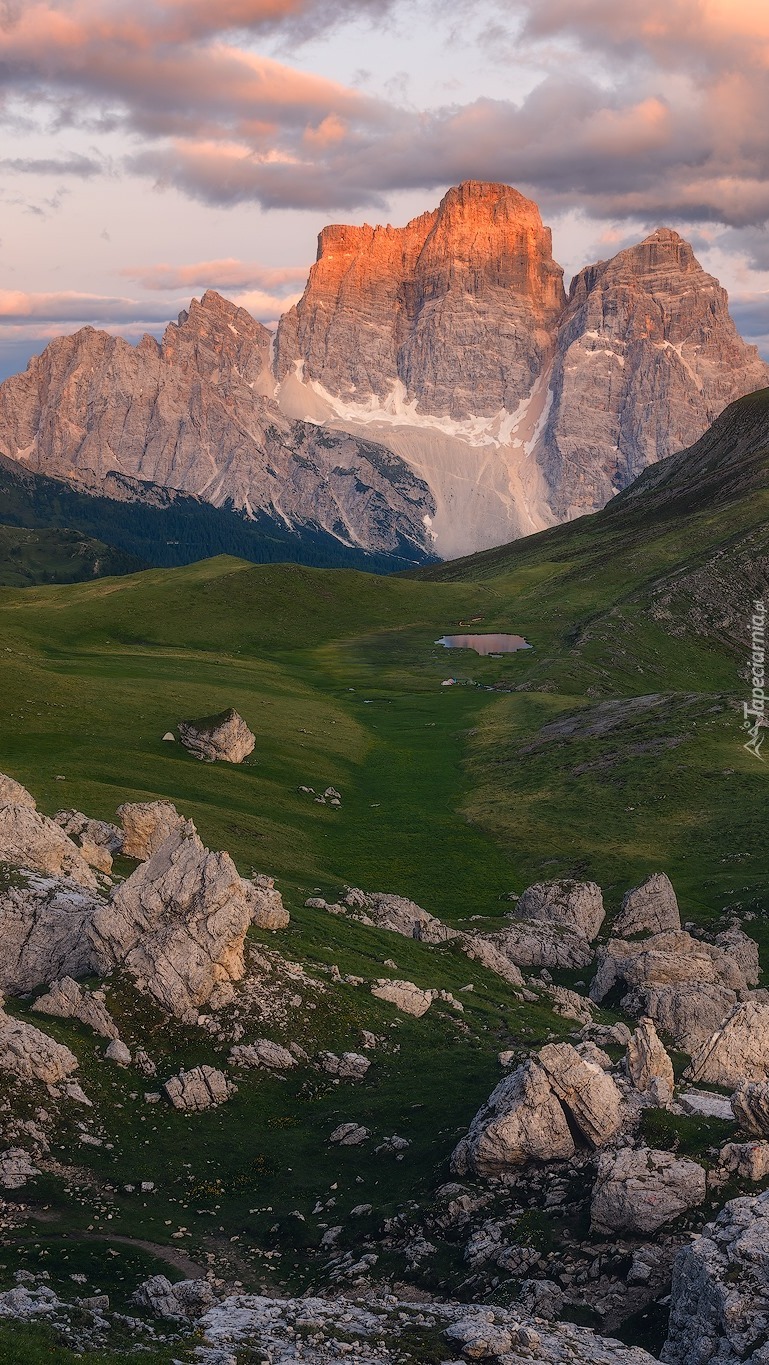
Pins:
<point x="611" y="749"/>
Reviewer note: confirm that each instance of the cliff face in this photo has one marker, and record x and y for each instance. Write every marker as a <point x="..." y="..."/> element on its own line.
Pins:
<point x="455" y="313"/>
<point x="647" y="357"/>
<point x="196" y="413"/>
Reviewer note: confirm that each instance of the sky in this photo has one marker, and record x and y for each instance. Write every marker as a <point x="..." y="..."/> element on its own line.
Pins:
<point x="151" y="149"/>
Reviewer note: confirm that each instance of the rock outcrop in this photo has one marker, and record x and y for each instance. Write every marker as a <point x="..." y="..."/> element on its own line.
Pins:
<point x="31" y="840"/>
<point x="651" y="908"/>
<point x="267" y="908"/>
<point x="588" y="1095"/>
<point x="201" y="1088"/>
<point x="719" y="1304"/>
<point x="688" y="1013"/>
<point x="746" y="1160"/>
<point x="536" y="943"/>
<point x="146" y="826"/>
<point x="29" y="1054"/>
<point x="16" y="1169"/>
<point x="398" y="914"/>
<point x="223" y="738"/>
<point x="673" y="958"/>
<point x="13" y="794"/>
<point x="184" y="1300"/>
<point x="639" y="1190"/>
<point x="648" y="1064"/>
<point x="578" y="905"/>
<point x="738" y="1051"/>
<point x="407" y="997"/>
<point x="68" y="1000"/>
<point x="521" y="1121"/>
<point x="262" y="1054"/>
<point x="44" y="925"/>
<point x="178" y="925"/>
<point x="750" y="1106"/>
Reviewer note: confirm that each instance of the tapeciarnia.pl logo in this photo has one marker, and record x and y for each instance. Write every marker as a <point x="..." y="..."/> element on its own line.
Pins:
<point x="755" y="710"/>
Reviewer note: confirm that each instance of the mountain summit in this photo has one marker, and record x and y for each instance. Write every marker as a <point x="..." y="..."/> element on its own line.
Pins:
<point x="433" y="391"/>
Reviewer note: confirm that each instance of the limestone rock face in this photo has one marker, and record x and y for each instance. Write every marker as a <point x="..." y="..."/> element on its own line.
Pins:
<point x="521" y="1121"/>
<point x="201" y="1088"/>
<point x="483" y="948"/>
<point x="178" y="925"/>
<point x="744" y="950"/>
<point x="82" y="829"/>
<point x="739" y="1051"/>
<point x="68" y="1000"/>
<point x="750" y="1105"/>
<point x="748" y="1160"/>
<point x="719" y="1305"/>
<point x="578" y="905"/>
<point x="648" y="1064"/>
<point x="13" y="794"/>
<point x="398" y="914"/>
<point x="197" y="413"/>
<point x="146" y="826"/>
<point x="187" y="1299"/>
<point x="651" y="908"/>
<point x="31" y="840"/>
<point x="688" y="1014"/>
<point x="537" y="943"/>
<point x="44" y="930"/>
<point x="584" y="1089"/>
<point x="647" y="357"/>
<point x="640" y="1190"/>
<point x="262" y="1054"/>
<point x="668" y="959"/>
<point x="27" y="1052"/>
<point x="407" y="997"/>
<point x="389" y="310"/>
<point x="222" y="738"/>
<point x="15" y="1169"/>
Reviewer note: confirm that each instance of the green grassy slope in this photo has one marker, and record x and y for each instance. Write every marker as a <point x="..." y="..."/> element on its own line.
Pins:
<point x="57" y="556"/>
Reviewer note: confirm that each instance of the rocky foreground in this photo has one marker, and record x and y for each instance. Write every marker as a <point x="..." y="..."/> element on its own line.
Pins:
<point x="650" y="1230"/>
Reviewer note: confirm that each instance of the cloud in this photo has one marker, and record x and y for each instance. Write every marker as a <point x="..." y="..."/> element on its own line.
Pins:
<point x="17" y="306"/>
<point x="221" y="275"/>
<point x="82" y="167"/>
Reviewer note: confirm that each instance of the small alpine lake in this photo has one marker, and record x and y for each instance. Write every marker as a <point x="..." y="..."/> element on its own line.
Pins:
<point x="485" y="644"/>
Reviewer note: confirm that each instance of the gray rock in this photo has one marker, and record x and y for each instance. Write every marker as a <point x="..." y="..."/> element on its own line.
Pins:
<point x="639" y="1190"/>
<point x="651" y="908"/>
<point x="146" y="826"/>
<point x="407" y="997"/>
<point x="177" y="925"/>
<point x="349" y="1135"/>
<point x="719" y="1303"/>
<point x="688" y="1014"/>
<point x="32" y="841"/>
<point x="221" y="738"/>
<point x="738" y="1051"/>
<point x="118" y="1052"/>
<point x="746" y="1160"/>
<point x="521" y="1121"/>
<point x="492" y="955"/>
<point x="267" y="908"/>
<point x="15" y="1169"/>
<point x="68" y="1000"/>
<point x="744" y="950"/>
<point x="750" y="1105"/>
<point x="647" y="1062"/>
<point x="100" y="833"/>
<point x="262" y="1054"/>
<point x="201" y="1088"/>
<point x="669" y="959"/>
<point x="187" y="1299"/>
<point x="584" y="1089"/>
<point x="578" y="905"/>
<point x="30" y="1054"/>
<point x="536" y="943"/>
<point x="351" y="1066"/>
<point x="44" y="925"/>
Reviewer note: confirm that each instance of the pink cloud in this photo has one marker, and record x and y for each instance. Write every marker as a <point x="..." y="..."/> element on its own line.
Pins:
<point x="222" y="274"/>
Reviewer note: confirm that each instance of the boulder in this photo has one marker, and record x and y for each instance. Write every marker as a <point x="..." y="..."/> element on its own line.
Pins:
<point x="521" y="1121"/>
<point x="639" y="1190"/>
<point x="262" y="1054"/>
<point x="118" y="1052"/>
<point x="648" y="1064"/>
<point x="578" y="905"/>
<point x="746" y="1160"/>
<point x="537" y="943"/>
<point x="177" y="925"/>
<point x="44" y="925"/>
<point x="32" y="841"/>
<point x="750" y="1106"/>
<point x="201" y="1088"/>
<point x="670" y="959"/>
<point x="27" y="1052"/>
<point x="82" y="829"/>
<point x="13" y="794"/>
<point x="738" y="1051"/>
<point x="146" y="826"/>
<point x="68" y="1000"/>
<point x="719" y="1304"/>
<point x="590" y="1097"/>
<point x="483" y="949"/>
<point x="570" y="1005"/>
<point x="187" y="1299"/>
<point x="398" y="914"/>
<point x="744" y="950"/>
<point x="688" y="1014"/>
<point x="15" y="1169"/>
<point x="351" y="1066"/>
<point x="407" y="997"/>
<point x="267" y="908"/>
<point x="349" y="1135"/>
<point x="651" y="908"/>
<point x="221" y="738"/>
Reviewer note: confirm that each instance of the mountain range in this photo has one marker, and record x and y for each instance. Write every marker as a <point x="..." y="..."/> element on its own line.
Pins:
<point x="434" y="392"/>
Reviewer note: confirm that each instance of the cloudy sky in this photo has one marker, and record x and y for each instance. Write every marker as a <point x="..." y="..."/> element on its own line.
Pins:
<point x="153" y="148"/>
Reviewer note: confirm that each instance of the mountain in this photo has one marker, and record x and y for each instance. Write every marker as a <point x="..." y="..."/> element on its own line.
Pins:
<point x="194" y="413"/>
<point x="434" y="392"/>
